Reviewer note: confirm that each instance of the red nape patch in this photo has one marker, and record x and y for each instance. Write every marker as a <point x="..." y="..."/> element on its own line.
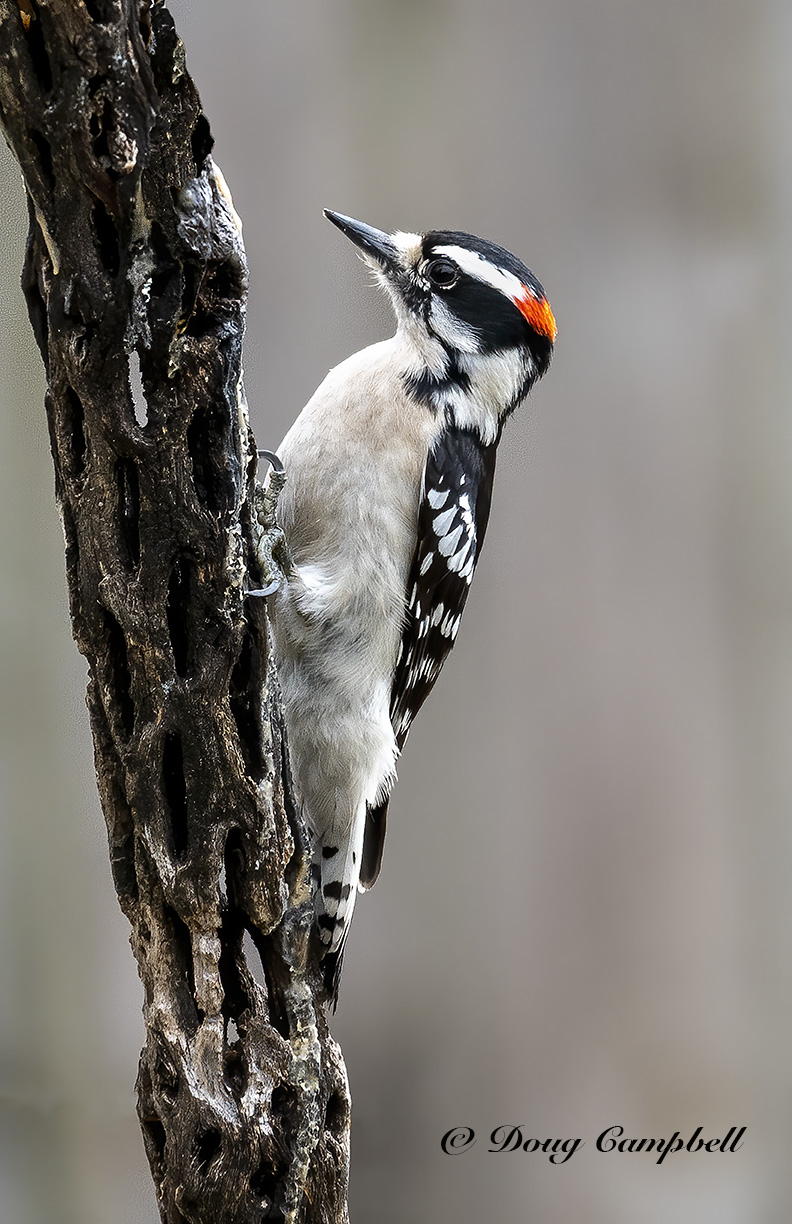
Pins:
<point x="538" y="313"/>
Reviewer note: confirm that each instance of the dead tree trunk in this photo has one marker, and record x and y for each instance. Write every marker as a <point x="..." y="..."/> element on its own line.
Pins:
<point x="135" y="254"/>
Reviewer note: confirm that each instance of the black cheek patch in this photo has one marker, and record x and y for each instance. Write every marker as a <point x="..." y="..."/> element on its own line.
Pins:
<point x="492" y="316"/>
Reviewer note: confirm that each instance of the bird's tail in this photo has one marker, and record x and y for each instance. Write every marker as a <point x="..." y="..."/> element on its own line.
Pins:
<point x="336" y="877"/>
<point x="331" y="969"/>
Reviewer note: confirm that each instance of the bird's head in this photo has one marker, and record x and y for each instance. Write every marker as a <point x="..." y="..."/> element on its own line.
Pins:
<point x="474" y="321"/>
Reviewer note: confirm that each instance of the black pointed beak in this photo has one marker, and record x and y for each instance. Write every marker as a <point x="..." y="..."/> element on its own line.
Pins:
<point x="372" y="242"/>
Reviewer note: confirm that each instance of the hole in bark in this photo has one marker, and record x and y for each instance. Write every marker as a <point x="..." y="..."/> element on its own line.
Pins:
<point x="100" y="123"/>
<point x="222" y="281"/>
<point x="244" y="700"/>
<point x="200" y="321"/>
<point x="179" y="614"/>
<point x="234" y="862"/>
<point x="192" y="276"/>
<point x="99" y="11"/>
<point x="37" y="47"/>
<point x="275" y="1009"/>
<point x="234" y="1070"/>
<point x="207" y="1146"/>
<point x="235" y="996"/>
<point x="121" y="680"/>
<point x="164" y="303"/>
<point x="144" y="25"/>
<point x="128" y="511"/>
<point x="155" y="1132"/>
<point x="107" y="239"/>
<point x="253" y="960"/>
<point x="74" y="421"/>
<point x="220" y="287"/>
<point x="175" y="791"/>
<point x="335" y="1113"/>
<point x="235" y="941"/>
<point x="294" y="865"/>
<point x="45" y="158"/>
<point x="100" y="128"/>
<point x="139" y="403"/>
<point x="265" y="1182"/>
<point x="166" y="266"/>
<point x="181" y="943"/>
<point x="167" y="1076"/>
<point x="202" y="141"/>
<point x="284" y="1099"/>
<point x="202" y="435"/>
<point x="122" y="848"/>
<point x="234" y="1066"/>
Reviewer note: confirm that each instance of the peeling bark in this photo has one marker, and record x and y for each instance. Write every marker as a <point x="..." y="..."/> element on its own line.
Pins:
<point x="135" y="256"/>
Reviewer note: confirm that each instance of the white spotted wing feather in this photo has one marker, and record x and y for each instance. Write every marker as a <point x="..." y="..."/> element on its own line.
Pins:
<point x="451" y="524"/>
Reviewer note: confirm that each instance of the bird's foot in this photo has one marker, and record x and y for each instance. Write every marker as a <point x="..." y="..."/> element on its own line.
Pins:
<point x="272" y="551"/>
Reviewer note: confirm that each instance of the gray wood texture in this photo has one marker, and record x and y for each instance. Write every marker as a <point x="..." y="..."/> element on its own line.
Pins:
<point x="135" y="273"/>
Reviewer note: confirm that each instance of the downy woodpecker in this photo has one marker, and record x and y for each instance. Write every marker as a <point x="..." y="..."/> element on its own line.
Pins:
<point x="390" y="468"/>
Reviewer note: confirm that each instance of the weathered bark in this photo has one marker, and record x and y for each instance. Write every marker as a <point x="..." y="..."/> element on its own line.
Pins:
<point x="135" y="253"/>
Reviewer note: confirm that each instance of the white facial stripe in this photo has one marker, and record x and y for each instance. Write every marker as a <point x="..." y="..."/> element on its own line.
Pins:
<point x="409" y="246"/>
<point x="479" y="267"/>
<point x="451" y="329"/>
<point x="499" y="376"/>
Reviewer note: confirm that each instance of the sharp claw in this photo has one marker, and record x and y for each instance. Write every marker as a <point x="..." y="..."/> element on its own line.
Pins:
<point x="274" y="561"/>
<point x="272" y="459"/>
<point x="269" y="589"/>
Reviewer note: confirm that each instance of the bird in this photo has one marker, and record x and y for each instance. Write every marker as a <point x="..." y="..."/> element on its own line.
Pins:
<point x="389" y="481"/>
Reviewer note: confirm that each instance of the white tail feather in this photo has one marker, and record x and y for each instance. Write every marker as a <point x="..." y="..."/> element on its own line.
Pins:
<point x="338" y="880"/>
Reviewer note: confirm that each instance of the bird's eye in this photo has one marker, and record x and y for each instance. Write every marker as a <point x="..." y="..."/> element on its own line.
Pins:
<point x="442" y="273"/>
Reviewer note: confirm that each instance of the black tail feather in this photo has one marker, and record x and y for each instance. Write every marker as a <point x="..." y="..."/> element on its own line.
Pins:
<point x="373" y="842"/>
<point x="332" y="964"/>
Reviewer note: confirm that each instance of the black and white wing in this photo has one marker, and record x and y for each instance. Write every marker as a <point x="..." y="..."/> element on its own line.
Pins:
<point x="452" y="520"/>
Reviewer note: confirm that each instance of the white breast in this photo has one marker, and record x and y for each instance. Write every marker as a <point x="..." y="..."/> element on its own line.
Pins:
<point x="354" y="461"/>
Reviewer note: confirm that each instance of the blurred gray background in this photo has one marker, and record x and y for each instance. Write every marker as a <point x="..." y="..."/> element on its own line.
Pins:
<point x="585" y="913"/>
